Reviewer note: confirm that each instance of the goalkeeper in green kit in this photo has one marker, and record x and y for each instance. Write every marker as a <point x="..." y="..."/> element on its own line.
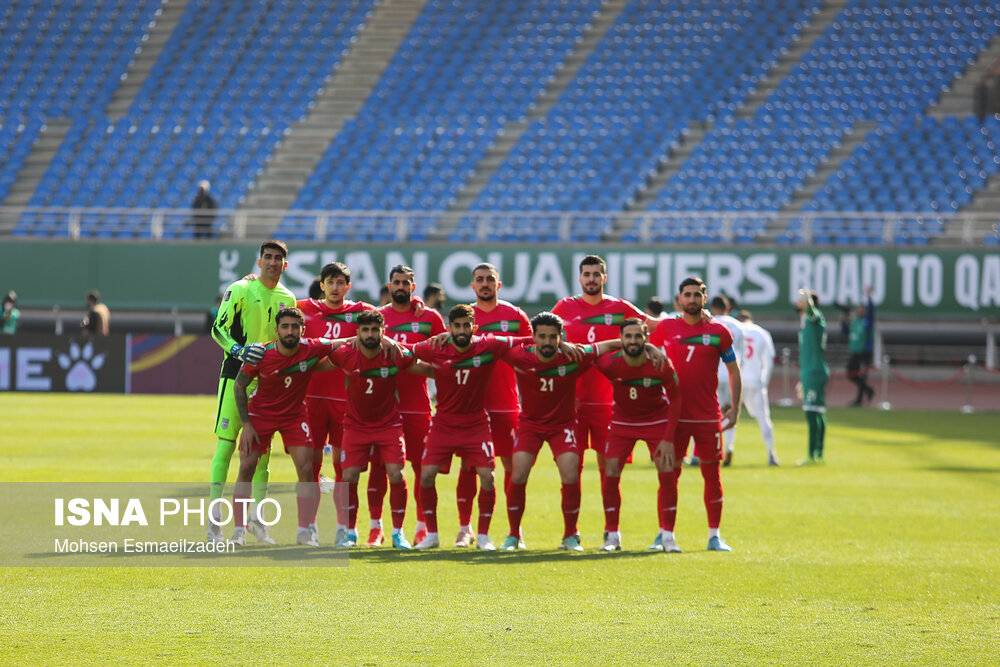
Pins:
<point x="244" y="323"/>
<point x="813" y="372"/>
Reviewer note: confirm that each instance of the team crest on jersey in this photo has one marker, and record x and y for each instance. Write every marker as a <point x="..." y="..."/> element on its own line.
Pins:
<point x="415" y="327"/>
<point x="476" y="361"/>
<point x="303" y="366"/>
<point x="645" y="382"/>
<point x="609" y="318"/>
<point x="384" y="371"/>
<point x="706" y="339"/>
<point x="281" y="305"/>
<point x="504" y="326"/>
<point x="348" y="317"/>
<point x="562" y="371"/>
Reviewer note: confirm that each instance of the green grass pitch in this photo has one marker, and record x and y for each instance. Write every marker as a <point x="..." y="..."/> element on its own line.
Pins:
<point x="887" y="555"/>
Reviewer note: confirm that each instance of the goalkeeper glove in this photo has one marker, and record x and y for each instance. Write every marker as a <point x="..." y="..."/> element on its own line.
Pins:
<point x="252" y="354"/>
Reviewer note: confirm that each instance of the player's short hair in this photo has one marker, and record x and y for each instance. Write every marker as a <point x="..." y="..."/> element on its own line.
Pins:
<point x="720" y="303"/>
<point x="486" y="266"/>
<point x="634" y="321"/>
<point x="404" y="269"/>
<point x="693" y="280"/>
<point x="315" y="289"/>
<point x="433" y="289"/>
<point x="274" y="244"/>
<point x="94" y="295"/>
<point x="290" y="312"/>
<point x="335" y="270"/>
<point x="593" y="260"/>
<point x="547" y="319"/>
<point x="745" y="316"/>
<point x="370" y="317"/>
<point x="459" y="311"/>
<point x="654" y="306"/>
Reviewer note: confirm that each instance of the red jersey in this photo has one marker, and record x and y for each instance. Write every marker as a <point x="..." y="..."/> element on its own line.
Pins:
<point x="463" y="378"/>
<point x="695" y="351"/>
<point x="371" y="386"/>
<point x="643" y="395"/>
<point x="323" y="321"/>
<point x="283" y="381"/>
<point x="504" y="320"/>
<point x="548" y="389"/>
<point x="408" y="329"/>
<point x="592" y="324"/>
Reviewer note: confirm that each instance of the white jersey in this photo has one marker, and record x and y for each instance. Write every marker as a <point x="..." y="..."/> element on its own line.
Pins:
<point x="759" y="356"/>
<point x="739" y="345"/>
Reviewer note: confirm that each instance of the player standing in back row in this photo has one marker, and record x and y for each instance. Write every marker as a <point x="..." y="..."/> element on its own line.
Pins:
<point x="756" y="370"/>
<point x="246" y="320"/>
<point x="502" y="318"/>
<point x="590" y="317"/>
<point x="695" y="348"/>
<point x="813" y="372"/>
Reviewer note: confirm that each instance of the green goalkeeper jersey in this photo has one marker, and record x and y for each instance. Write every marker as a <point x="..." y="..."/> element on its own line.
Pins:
<point x="812" y="345"/>
<point x="246" y="316"/>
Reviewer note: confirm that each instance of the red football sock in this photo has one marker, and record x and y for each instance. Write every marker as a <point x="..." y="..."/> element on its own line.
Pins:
<point x="570" y="508"/>
<point x="487" y="502"/>
<point x="340" y="502"/>
<point x="378" y="484"/>
<point x="397" y="503"/>
<point x="666" y="500"/>
<point x="305" y="505"/>
<point x="417" y="500"/>
<point x="316" y="496"/>
<point x="465" y="494"/>
<point x="352" y="505"/>
<point x="240" y="503"/>
<point x="713" y="492"/>
<point x="429" y="500"/>
<point x="612" y="495"/>
<point x="506" y="478"/>
<point x="515" y="507"/>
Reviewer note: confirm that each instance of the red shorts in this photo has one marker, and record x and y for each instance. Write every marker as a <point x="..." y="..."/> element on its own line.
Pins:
<point x="294" y="431"/>
<point x="592" y="424"/>
<point x="326" y="421"/>
<point x="472" y="442"/>
<point x="415" y="427"/>
<point x="622" y="439"/>
<point x="707" y="440"/>
<point x="385" y="446"/>
<point x="503" y="426"/>
<point x="561" y="440"/>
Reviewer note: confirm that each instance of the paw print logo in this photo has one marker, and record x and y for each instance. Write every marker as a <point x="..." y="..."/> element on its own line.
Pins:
<point x="81" y="364"/>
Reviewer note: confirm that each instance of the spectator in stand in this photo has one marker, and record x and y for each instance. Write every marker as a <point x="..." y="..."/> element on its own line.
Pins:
<point x="860" y="332"/>
<point x="204" y="207"/>
<point x="11" y="315"/>
<point x="97" y="321"/>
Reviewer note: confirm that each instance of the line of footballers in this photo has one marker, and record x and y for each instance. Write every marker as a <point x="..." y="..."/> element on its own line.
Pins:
<point x="590" y="373"/>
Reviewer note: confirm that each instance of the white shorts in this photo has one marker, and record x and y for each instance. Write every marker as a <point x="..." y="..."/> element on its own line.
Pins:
<point x="756" y="402"/>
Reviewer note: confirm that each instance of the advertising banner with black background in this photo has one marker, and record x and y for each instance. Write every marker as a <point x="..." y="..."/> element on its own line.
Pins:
<point x="47" y="363"/>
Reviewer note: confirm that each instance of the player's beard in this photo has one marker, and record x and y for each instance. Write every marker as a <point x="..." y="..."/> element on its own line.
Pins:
<point x="401" y="297"/>
<point x="486" y="294"/>
<point x="370" y="343"/>
<point x="290" y="342"/>
<point x="461" y="340"/>
<point x="547" y="351"/>
<point x="692" y="308"/>
<point x="592" y="288"/>
<point x="633" y="350"/>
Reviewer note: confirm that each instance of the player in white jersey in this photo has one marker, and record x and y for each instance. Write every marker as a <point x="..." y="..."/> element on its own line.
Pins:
<point x="758" y="363"/>
<point x="720" y="307"/>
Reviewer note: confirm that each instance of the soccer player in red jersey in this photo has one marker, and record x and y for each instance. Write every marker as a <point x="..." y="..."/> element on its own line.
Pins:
<point x="646" y="407"/>
<point x="502" y="318"/>
<point x="335" y="317"/>
<point x="463" y="369"/>
<point x="590" y="317"/>
<point x="406" y="327"/>
<point x="278" y="405"/>
<point x="547" y="380"/>
<point x="373" y="427"/>
<point x="695" y="347"/>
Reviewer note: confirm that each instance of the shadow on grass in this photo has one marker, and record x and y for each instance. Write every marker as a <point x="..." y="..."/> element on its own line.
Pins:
<point x="963" y="469"/>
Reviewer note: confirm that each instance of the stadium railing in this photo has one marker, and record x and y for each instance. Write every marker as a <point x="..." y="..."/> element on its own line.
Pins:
<point x="676" y="227"/>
